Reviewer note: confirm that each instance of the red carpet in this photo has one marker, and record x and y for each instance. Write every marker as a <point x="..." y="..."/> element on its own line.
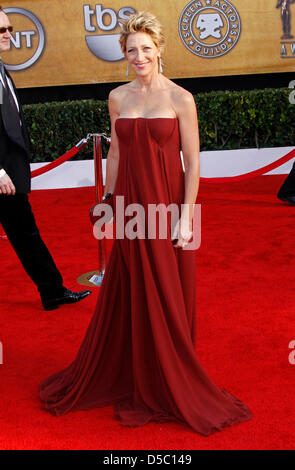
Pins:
<point x="246" y="319"/>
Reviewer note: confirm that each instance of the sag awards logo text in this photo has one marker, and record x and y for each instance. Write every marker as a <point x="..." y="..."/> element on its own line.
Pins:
<point x="287" y="38"/>
<point x="209" y="28"/>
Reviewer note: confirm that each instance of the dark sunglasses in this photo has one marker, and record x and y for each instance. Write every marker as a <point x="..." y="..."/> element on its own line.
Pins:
<point x="3" y="29"/>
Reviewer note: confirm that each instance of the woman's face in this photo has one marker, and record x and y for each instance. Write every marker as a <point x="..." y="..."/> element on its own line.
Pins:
<point x="142" y="53"/>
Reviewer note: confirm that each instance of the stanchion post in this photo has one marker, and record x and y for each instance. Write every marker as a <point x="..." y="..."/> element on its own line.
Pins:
<point x="94" y="278"/>
<point x="99" y="193"/>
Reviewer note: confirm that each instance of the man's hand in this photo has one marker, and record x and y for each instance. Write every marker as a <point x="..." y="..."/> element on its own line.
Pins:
<point x="6" y="186"/>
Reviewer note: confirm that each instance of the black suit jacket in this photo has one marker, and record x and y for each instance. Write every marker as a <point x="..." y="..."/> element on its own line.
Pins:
<point x="14" y="144"/>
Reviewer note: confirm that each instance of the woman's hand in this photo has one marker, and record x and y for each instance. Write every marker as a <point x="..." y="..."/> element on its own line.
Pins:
<point x="182" y="231"/>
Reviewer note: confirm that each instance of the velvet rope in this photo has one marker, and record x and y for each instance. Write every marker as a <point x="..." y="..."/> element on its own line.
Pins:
<point x="66" y="156"/>
<point x="228" y="179"/>
<point x="252" y="174"/>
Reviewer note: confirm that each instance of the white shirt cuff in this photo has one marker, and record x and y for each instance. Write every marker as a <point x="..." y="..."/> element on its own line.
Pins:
<point x="2" y="173"/>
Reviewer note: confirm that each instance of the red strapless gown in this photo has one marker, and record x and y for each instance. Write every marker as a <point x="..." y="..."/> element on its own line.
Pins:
<point x="139" y="349"/>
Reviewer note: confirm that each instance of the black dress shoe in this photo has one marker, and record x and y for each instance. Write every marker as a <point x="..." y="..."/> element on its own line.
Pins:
<point x="286" y="198"/>
<point x="67" y="297"/>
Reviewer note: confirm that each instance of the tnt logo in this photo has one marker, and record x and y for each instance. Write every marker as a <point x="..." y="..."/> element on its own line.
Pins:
<point x="104" y="46"/>
<point x="28" y="39"/>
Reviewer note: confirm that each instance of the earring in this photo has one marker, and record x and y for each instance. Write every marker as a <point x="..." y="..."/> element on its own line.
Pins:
<point x="160" y="65"/>
<point x="127" y="70"/>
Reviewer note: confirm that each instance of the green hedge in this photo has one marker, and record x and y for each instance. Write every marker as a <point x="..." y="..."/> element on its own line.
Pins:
<point x="227" y="120"/>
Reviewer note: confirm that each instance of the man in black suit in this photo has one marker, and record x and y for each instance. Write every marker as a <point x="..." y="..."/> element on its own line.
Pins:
<point x="16" y="215"/>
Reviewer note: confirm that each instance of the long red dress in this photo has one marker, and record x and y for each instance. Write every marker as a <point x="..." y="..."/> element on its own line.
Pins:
<point x="139" y="349"/>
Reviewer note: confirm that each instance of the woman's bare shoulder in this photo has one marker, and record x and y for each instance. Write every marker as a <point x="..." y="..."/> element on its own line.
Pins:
<point x="117" y="97"/>
<point x="181" y="98"/>
<point x="179" y="94"/>
<point x="118" y="92"/>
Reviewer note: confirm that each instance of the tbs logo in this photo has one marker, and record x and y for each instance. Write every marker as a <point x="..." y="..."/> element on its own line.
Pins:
<point x="104" y="46"/>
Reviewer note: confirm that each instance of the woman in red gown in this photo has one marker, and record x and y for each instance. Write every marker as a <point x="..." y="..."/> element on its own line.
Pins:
<point x="139" y="349"/>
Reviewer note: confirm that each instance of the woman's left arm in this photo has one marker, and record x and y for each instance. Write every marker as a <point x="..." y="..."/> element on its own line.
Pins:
<point x="186" y="112"/>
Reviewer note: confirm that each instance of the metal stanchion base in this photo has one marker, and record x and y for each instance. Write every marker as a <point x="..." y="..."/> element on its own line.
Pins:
<point x="91" y="279"/>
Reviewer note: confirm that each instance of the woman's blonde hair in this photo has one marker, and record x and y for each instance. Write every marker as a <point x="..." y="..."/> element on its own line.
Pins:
<point x="143" y="22"/>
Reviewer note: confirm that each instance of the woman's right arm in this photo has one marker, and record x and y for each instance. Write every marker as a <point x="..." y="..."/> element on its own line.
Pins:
<point x="112" y="163"/>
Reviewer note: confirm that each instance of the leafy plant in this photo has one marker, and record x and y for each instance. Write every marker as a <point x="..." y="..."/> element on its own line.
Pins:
<point x="227" y="120"/>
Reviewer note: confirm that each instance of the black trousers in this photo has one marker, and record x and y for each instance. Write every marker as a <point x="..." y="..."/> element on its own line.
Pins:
<point x="19" y="223"/>
<point x="288" y="187"/>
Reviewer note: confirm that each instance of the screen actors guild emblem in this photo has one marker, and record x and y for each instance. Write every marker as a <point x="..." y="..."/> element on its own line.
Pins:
<point x="209" y="28"/>
<point x="286" y="17"/>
